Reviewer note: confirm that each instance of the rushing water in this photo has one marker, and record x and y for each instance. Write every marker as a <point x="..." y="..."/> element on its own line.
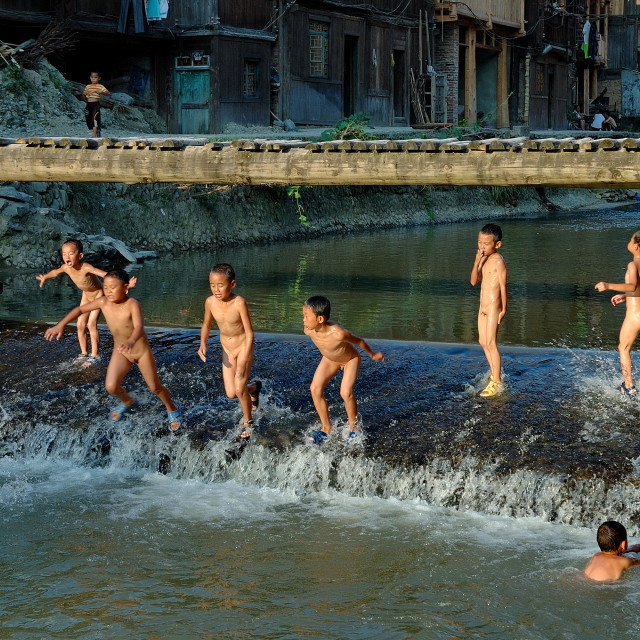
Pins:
<point x="451" y="517"/>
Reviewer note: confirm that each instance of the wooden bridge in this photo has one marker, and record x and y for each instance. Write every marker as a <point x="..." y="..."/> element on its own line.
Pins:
<point x="569" y="162"/>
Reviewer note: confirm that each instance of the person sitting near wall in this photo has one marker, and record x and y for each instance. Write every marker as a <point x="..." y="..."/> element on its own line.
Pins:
<point x="609" y="123"/>
<point x="598" y="121"/>
<point x="577" y="118"/>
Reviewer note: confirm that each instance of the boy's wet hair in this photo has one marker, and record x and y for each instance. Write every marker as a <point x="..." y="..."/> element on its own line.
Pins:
<point x="610" y="535"/>
<point x="636" y="237"/>
<point x="492" y="230"/>
<point x="76" y="243"/>
<point x="319" y="305"/>
<point x="225" y="269"/>
<point x="119" y="274"/>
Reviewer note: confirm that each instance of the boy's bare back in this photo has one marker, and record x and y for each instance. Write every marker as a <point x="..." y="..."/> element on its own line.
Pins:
<point x="608" y="566"/>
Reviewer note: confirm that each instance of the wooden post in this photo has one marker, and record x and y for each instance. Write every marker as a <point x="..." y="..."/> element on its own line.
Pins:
<point x="470" y="98"/>
<point x="502" y="113"/>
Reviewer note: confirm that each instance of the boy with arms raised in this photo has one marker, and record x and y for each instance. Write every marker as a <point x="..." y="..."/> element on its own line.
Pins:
<point x="338" y="353"/>
<point x="490" y="268"/>
<point x="130" y="345"/>
<point x="231" y="313"/>
<point x="85" y="277"/>
<point x="610" y="564"/>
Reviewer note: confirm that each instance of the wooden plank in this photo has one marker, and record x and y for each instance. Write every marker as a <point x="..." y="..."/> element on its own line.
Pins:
<point x="197" y="165"/>
<point x="550" y="144"/>
<point x="569" y="145"/>
<point x="608" y="144"/>
<point x="630" y="143"/>
<point x="490" y="144"/>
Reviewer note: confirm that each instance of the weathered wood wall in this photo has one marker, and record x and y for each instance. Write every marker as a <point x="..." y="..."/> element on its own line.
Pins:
<point x="516" y="162"/>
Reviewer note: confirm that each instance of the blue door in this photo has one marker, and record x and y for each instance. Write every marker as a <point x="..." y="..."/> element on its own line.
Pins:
<point x="192" y="87"/>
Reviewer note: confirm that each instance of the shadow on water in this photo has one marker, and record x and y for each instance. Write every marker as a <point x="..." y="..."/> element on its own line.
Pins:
<point x="560" y="444"/>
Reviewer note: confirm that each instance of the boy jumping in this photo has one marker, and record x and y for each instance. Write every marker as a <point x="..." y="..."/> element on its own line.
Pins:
<point x="130" y="345"/>
<point x="489" y="266"/>
<point x="610" y="564"/>
<point x="85" y="277"/>
<point x="338" y="353"/>
<point x="231" y="313"/>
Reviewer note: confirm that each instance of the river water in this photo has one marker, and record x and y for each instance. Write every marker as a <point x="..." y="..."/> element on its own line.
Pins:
<point x="450" y="517"/>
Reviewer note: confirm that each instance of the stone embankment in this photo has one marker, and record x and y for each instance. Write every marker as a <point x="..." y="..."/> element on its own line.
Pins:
<point x="137" y="221"/>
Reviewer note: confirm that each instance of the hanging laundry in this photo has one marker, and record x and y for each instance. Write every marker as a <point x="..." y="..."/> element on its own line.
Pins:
<point x="157" y="9"/>
<point x="585" y="31"/>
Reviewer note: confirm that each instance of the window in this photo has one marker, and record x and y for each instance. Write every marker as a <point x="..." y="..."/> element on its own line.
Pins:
<point x="539" y="86"/>
<point x="318" y="49"/>
<point x="250" y="79"/>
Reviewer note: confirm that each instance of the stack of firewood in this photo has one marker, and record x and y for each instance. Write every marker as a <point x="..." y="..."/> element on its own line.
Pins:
<point x="55" y="37"/>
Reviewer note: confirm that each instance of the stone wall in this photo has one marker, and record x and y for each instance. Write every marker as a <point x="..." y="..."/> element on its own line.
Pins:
<point x="36" y="218"/>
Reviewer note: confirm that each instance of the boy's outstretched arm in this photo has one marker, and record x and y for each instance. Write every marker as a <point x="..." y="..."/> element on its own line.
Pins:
<point x="476" y="270"/>
<point x="626" y="287"/>
<point x="204" y="332"/>
<point x="359" y="342"/>
<point x="101" y="273"/>
<point x="54" y="273"/>
<point x="55" y="332"/>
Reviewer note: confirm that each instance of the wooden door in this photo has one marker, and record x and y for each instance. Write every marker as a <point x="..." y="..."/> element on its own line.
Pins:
<point x="192" y="88"/>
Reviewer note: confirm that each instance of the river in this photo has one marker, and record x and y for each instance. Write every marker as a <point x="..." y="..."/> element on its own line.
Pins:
<point x="450" y="517"/>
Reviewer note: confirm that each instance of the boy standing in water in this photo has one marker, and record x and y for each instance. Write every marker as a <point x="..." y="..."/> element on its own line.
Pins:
<point x="489" y="266"/>
<point x="130" y="345"/>
<point x="231" y="313"/>
<point x="631" y="325"/>
<point x="85" y="277"/>
<point x="93" y="92"/>
<point x="338" y="353"/>
<point x="610" y="564"/>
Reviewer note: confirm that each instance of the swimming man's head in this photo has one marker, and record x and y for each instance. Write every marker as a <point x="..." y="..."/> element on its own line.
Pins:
<point x="611" y="535"/>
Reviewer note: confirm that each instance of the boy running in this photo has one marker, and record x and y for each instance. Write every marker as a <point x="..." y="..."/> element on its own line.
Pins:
<point x="130" y="345"/>
<point x="231" y="313"/>
<point x="631" y="324"/>
<point x="489" y="266"/>
<point x="85" y="277"/>
<point x="338" y="353"/>
<point x="93" y="92"/>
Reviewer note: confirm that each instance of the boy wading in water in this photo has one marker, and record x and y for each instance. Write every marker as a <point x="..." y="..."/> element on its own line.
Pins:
<point x="231" y="313"/>
<point x="85" y="277"/>
<point x="93" y="92"/>
<point x="338" y="353"/>
<point x="490" y="268"/>
<point x="610" y="564"/>
<point x="130" y="345"/>
<point x="631" y="324"/>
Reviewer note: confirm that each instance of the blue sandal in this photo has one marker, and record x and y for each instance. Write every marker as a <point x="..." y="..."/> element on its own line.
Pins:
<point x="174" y="416"/>
<point x="630" y="392"/>
<point x="121" y="410"/>
<point x="318" y="437"/>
